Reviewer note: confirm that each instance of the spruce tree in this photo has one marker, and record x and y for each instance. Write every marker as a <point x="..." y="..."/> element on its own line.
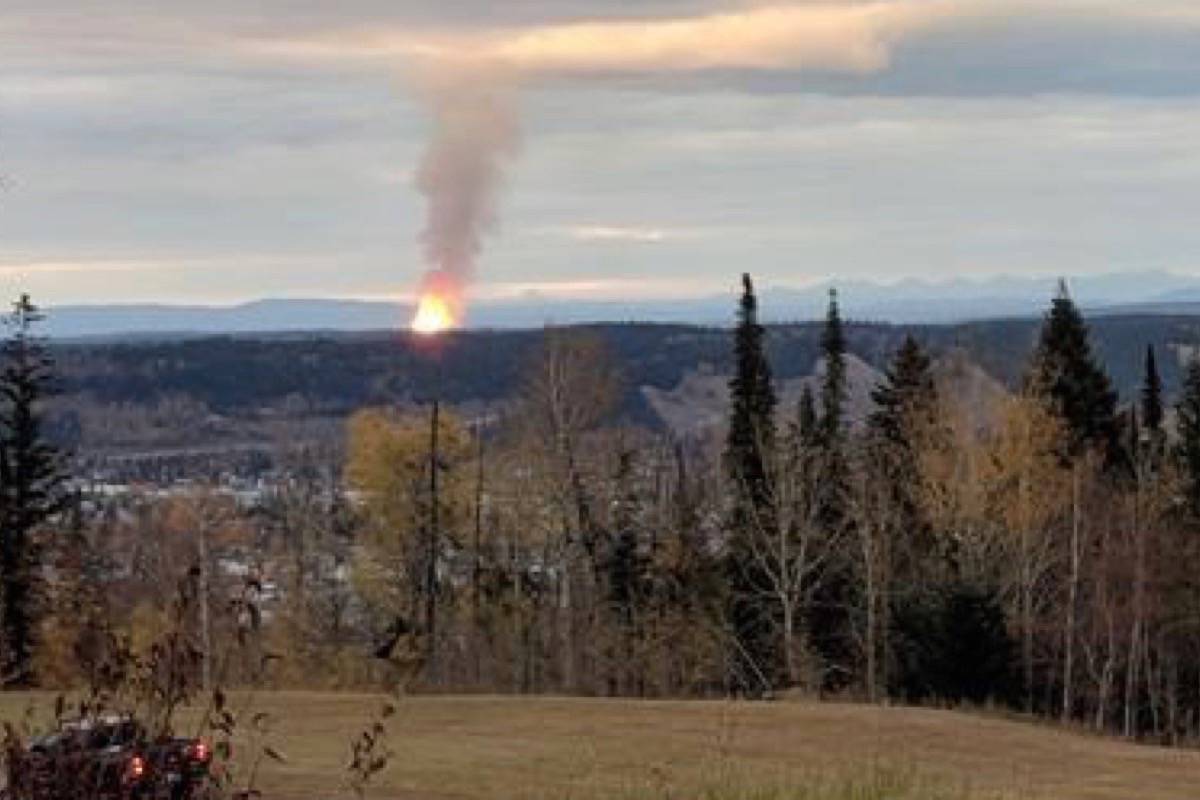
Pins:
<point x="906" y="394"/>
<point x="1152" y="404"/>
<point x="627" y="573"/>
<point x="754" y="660"/>
<point x="32" y="487"/>
<point x="1188" y="425"/>
<point x="905" y="404"/>
<point x="833" y="389"/>
<point x="831" y="425"/>
<point x="1064" y="372"/>
<point x="830" y="624"/>
<point x="751" y="439"/>
<point x="624" y="569"/>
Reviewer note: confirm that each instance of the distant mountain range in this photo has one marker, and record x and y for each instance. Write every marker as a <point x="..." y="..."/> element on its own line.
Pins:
<point x="908" y="301"/>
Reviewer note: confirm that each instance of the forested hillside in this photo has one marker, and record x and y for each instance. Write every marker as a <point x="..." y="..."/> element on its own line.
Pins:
<point x="186" y="391"/>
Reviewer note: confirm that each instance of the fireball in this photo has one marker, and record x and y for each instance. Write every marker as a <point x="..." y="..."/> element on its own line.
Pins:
<point x="434" y="315"/>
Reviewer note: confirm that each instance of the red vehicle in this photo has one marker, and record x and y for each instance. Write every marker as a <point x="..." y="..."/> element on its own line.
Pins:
<point x="110" y="758"/>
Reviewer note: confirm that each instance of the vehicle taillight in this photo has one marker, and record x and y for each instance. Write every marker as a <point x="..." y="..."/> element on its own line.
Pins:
<point x="199" y="751"/>
<point x="135" y="770"/>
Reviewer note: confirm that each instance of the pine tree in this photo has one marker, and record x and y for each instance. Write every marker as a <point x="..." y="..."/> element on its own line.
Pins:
<point x="906" y="394"/>
<point x="831" y="425"/>
<point x="751" y="435"/>
<point x="833" y="389"/>
<point x="1188" y="425"/>
<point x="1065" y="373"/>
<point x="905" y="404"/>
<point x="751" y="439"/>
<point x="830" y="625"/>
<point x="1152" y="405"/>
<point x="624" y="569"/>
<point x="748" y="454"/>
<point x="627" y="572"/>
<point x="32" y="487"/>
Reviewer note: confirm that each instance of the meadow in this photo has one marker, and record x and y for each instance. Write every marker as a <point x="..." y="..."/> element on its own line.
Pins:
<point x="501" y="747"/>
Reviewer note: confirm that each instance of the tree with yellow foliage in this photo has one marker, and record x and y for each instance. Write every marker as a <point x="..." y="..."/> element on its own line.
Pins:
<point x="390" y="464"/>
<point x="1028" y="491"/>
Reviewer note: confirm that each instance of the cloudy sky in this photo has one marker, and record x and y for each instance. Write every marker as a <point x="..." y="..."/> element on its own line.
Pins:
<point x="210" y="154"/>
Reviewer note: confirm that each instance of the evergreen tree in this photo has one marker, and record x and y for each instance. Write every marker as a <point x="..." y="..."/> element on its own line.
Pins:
<point x="1152" y="405"/>
<point x="32" y="487"/>
<point x="830" y="625"/>
<point x="905" y="405"/>
<point x="624" y="567"/>
<point x="906" y="395"/>
<point x="751" y="439"/>
<point x="833" y="389"/>
<point x="1065" y="373"/>
<point x="627" y="571"/>
<point x="831" y="426"/>
<point x="749" y="451"/>
<point x="1188" y="425"/>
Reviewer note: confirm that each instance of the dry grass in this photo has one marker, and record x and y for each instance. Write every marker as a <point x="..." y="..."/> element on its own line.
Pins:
<point x="489" y="747"/>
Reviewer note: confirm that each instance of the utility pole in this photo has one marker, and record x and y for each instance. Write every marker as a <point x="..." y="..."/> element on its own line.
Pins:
<point x="477" y="568"/>
<point x="431" y="560"/>
<point x="205" y="592"/>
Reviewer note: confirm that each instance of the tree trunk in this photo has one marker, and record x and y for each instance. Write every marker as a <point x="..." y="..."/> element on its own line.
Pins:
<point x="1026" y="570"/>
<point x="872" y="602"/>
<point x="477" y="569"/>
<point x="1027" y="630"/>
<point x="1072" y="595"/>
<point x="205" y="621"/>
<point x="431" y="555"/>
<point x="789" y="642"/>
<point x="1137" y="631"/>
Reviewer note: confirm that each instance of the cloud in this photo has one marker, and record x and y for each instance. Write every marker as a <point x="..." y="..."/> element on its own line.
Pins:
<point x="619" y="233"/>
<point x="595" y="289"/>
<point x="946" y="138"/>
<point x="902" y="47"/>
<point x="836" y="36"/>
<point x="844" y="38"/>
<point x="873" y="47"/>
<point x="39" y="267"/>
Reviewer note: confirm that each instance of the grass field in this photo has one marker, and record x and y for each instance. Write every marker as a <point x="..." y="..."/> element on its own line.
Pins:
<point x="489" y="747"/>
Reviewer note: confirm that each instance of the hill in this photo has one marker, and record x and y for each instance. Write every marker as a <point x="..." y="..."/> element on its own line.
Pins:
<point x="701" y="399"/>
<point x="522" y="747"/>
<point x="218" y="390"/>
<point x="907" y="301"/>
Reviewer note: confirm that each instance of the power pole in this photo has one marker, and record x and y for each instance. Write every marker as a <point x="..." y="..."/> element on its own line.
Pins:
<point x="476" y="571"/>
<point x="205" y="621"/>
<point x="431" y="560"/>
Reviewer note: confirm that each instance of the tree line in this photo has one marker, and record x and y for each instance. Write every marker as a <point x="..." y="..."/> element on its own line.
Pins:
<point x="1036" y="550"/>
<point x="1041" y="554"/>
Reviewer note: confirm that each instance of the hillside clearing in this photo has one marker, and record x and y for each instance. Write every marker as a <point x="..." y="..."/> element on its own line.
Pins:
<point x="490" y="747"/>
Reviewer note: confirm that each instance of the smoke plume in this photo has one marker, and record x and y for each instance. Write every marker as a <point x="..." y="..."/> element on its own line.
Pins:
<point x="475" y="134"/>
<point x="476" y="130"/>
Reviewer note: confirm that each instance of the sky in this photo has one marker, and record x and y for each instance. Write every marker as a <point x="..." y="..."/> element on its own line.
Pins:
<point x="220" y="151"/>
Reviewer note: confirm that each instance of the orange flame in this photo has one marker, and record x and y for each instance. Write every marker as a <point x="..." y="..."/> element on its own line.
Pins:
<point x="435" y="314"/>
